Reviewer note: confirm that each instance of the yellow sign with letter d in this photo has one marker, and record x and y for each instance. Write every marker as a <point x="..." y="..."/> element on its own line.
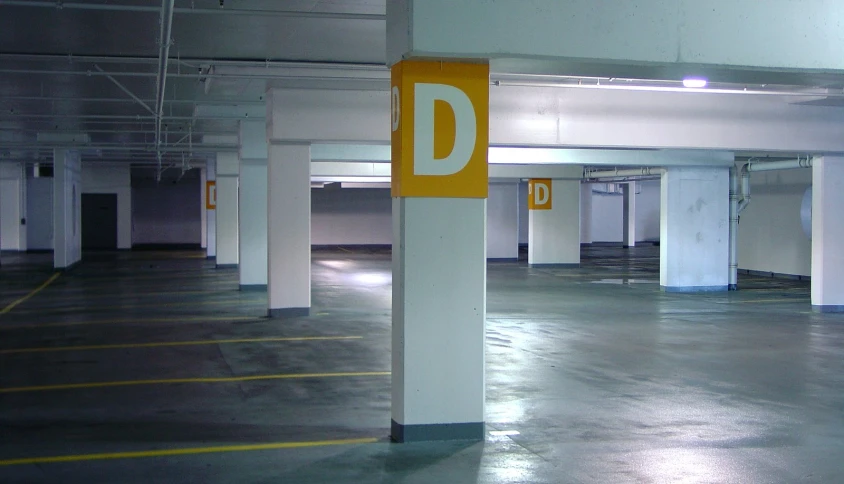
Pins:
<point x="440" y="124"/>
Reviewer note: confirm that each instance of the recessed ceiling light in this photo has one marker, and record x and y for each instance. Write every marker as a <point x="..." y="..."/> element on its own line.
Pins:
<point x="693" y="82"/>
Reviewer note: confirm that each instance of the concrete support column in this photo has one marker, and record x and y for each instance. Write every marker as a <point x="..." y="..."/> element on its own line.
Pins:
<point x="210" y="207"/>
<point x="628" y="191"/>
<point x="694" y="229"/>
<point x="827" y="234"/>
<point x="203" y="214"/>
<point x="554" y="223"/>
<point x="228" y="170"/>
<point x="502" y="241"/>
<point x="13" y="206"/>
<point x="439" y="308"/>
<point x="585" y="214"/>
<point x="252" y="205"/>
<point x="289" y="230"/>
<point x="67" y="208"/>
<point x="439" y="189"/>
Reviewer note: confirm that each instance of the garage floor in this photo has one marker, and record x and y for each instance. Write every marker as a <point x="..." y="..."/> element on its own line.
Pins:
<point x="153" y="367"/>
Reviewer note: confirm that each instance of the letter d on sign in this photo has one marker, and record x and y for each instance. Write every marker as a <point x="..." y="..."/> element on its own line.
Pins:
<point x="424" y="124"/>
<point x="440" y="124"/>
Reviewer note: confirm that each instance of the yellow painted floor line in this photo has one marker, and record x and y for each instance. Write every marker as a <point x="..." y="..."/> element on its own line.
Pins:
<point x="49" y="349"/>
<point x="93" y="307"/>
<point x="209" y="319"/>
<point x="180" y="452"/>
<point x="127" y="292"/>
<point x="32" y="293"/>
<point x="167" y="381"/>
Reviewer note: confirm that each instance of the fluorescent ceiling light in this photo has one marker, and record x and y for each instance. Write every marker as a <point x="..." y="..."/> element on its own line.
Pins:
<point x="694" y="82"/>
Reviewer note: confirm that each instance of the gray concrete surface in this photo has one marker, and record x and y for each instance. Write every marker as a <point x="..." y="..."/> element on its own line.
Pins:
<point x="593" y="375"/>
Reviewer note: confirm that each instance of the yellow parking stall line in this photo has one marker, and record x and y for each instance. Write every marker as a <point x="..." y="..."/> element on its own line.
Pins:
<point x="210" y="319"/>
<point x="168" y="381"/>
<point x="32" y="293"/>
<point x="209" y="292"/>
<point x="94" y="307"/>
<point x="174" y="343"/>
<point x="181" y="452"/>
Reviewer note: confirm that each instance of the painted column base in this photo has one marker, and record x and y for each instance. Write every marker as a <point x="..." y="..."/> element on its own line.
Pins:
<point x="828" y="308"/>
<point x="429" y="432"/>
<point x="694" y="288"/>
<point x="253" y="287"/>
<point x="554" y="266"/>
<point x="288" y="312"/>
<point x="69" y="268"/>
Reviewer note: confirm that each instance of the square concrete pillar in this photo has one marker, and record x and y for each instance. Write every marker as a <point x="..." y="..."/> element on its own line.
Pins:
<point x="828" y="234"/>
<point x="695" y="229"/>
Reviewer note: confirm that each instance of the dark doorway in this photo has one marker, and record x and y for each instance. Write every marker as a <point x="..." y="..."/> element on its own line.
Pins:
<point x="99" y="221"/>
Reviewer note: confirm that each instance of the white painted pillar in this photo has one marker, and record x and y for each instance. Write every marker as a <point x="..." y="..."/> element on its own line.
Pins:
<point x="628" y="191"/>
<point x="694" y="229"/>
<point x="289" y="230"/>
<point x="828" y="234"/>
<point x="439" y="308"/>
<point x="502" y="241"/>
<point x="439" y="250"/>
<point x="210" y="208"/>
<point x="228" y="170"/>
<point x="554" y="227"/>
<point x="203" y="215"/>
<point x="67" y="208"/>
<point x="12" y="206"/>
<point x="252" y="205"/>
<point x="585" y="213"/>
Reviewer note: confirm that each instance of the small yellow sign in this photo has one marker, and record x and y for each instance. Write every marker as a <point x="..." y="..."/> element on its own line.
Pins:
<point x="539" y="194"/>
<point x="440" y="124"/>
<point x="211" y="195"/>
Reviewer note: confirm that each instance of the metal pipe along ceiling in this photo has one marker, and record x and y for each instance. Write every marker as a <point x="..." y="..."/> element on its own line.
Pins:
<point x="589" y="174"/>
<point x="163" y="54"/>
<point x="59" y="5"/>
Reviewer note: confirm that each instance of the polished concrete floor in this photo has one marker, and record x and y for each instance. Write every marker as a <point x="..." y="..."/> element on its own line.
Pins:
<point x="153" y="367"/>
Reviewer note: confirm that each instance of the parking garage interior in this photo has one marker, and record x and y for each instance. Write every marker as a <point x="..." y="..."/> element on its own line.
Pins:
<point x="213" y="268"/>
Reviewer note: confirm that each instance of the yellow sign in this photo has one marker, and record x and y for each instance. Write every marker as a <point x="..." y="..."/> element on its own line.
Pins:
<point x="211" y="195"/>
<point x="440" y="123"/>
<point x="539" y="194"/>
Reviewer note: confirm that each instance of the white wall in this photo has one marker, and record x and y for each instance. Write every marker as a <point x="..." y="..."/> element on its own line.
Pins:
<point x="166" y="212"/>
<point x="647" y="211"/>
<point x="39" y="213"/>
<point x="351" y="216"/>
<point x="116" y="179"/>
<point x="608" y="215"/>
<point x="524" y="215"/>
<point x="12" y="206"/>
<point x="502" y="221"/>
<point x="770" y="235"/>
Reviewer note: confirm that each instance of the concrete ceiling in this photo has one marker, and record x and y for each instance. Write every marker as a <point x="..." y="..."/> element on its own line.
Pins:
<point x="69" y="66"/>
<point x="56" y="64"/>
